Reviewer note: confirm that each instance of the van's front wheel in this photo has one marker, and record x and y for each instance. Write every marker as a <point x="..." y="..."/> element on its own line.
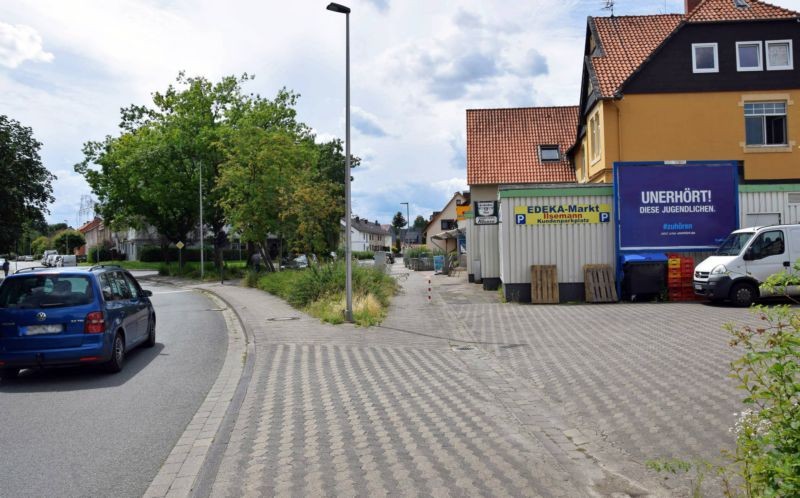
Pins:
<point x="743" y="294"/>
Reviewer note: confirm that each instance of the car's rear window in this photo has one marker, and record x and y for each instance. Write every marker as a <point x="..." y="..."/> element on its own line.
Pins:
<point x="46" y="291"/>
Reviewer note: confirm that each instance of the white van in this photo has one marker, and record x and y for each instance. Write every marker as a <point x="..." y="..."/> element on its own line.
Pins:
<point x="46" y="255"/>
<point x="67" y="260"/>
<point x="744" y="260"/>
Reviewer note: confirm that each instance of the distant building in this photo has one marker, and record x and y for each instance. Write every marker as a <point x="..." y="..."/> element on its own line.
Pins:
<point x="367" y="236"/>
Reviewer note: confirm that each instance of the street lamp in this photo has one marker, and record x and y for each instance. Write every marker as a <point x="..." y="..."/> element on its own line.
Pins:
<point x="408" y="221"/>
<point x="348" y="312"/>
<point x="66" y="232"/>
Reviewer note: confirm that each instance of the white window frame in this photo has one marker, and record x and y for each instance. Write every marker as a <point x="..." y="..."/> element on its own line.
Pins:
<point x="763" y="116"/>
<point x="714" y="69"/>
<point x="550" y="147"/>
<point x="594" y="137"/>
<point x="760" y="66"/>
<point x="770" y="67"/>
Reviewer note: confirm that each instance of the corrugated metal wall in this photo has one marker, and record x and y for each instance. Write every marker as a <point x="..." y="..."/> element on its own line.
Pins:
<point x="489" y="247"/>
<point x="569" y="246"/>
<point x="751" y="203"/>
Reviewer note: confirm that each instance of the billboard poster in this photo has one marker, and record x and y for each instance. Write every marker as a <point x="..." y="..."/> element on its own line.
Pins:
<point x="687" y="206"/>
<point x="560" y="214"/>
<point x="486" y="213"/>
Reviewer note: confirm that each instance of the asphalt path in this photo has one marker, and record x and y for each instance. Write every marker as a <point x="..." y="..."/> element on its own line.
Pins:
<point x="81" y="432"/>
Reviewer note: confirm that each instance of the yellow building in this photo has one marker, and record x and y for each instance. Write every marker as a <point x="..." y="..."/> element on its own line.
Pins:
<point x="720" y="82"/>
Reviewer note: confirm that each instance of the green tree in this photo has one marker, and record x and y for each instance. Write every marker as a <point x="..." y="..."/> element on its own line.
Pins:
<point x="55" y="228"/>
<point x="40" y="244"/>
<point x="151" y="174"/>
<point x="27" y="185"/>
<point x="67" y="241"/>
<point x="420" y="223"/>
<point x="398" y="222"/>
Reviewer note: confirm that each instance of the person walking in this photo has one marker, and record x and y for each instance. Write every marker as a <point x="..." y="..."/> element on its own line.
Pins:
<point x="6" y="267"/>
<point x="256" y="260"/>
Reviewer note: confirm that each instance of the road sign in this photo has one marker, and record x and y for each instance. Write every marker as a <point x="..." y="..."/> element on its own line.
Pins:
<point x="179" y="245"/>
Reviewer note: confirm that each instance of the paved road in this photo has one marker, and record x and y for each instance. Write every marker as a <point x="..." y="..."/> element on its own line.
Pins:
<point x="81" y="432"/>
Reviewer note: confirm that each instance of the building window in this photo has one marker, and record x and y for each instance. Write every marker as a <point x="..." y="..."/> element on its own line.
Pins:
<point x="549" y="153"/>
<point x="704" y="58"/>
<point x="748" y="56"/>
<point x="765" y="123"/>
<point x="594" y="137"/>
<point x="779" y="55"/>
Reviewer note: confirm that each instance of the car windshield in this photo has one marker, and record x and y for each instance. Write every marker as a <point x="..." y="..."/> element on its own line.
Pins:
<point x="46" y="291"/>
<point x="734" y="244"/>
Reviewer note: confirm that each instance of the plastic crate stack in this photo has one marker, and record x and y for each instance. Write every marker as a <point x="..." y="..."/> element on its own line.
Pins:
<point x="680" y="272"/>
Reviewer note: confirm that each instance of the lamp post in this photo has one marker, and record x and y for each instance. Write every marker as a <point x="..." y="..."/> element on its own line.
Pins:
<point x="66" y="232"/>
<point x="202" y="249"/>
<point x="348" y="312"/>
<point x="408" y="222"/>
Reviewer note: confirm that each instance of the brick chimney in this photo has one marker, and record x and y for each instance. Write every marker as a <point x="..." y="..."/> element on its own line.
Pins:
<point x="691" y="5"/>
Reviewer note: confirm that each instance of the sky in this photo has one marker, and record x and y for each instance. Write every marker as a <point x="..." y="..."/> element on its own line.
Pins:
<point x="67" y="67"/>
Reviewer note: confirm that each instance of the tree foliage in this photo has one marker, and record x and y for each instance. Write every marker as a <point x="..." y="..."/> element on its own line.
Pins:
<point x="27" y="185"/>
<point x="66" y="241"/>
<point x="398" y="222"/>
<point x="420" y="223"/>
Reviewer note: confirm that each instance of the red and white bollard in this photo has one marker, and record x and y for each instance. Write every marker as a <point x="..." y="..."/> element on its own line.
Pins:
<point x="429" y="291"/>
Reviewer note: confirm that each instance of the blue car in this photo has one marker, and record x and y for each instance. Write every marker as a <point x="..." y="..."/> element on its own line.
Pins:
<point x="72" y="316"/>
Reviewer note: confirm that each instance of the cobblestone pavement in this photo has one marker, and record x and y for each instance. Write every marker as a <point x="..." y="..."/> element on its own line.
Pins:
<point x="650" y="379"/>
<point x="345" y="411"/>
<point x="467" y="396"/>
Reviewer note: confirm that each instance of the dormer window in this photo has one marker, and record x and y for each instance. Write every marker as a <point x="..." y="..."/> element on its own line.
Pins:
<point x="748" y="56"/>
<point x="549" y="153"/>
<point x="705" y="58"/>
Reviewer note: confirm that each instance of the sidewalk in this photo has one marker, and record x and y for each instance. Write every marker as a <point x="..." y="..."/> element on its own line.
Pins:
<point x="416" y="407"/>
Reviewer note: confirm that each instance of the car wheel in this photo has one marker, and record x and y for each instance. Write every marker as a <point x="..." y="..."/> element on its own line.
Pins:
<point x="151" y="333"/>
<point x="117" y="354"/>
<point x="743" y="294"/>
<point x="9" y="373"/>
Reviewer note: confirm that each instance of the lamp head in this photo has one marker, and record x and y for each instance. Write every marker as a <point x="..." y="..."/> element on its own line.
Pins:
<point x="335" y="7"/>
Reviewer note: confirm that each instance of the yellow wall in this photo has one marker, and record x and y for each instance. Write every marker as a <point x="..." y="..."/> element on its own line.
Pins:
<point x="700" y="126"/>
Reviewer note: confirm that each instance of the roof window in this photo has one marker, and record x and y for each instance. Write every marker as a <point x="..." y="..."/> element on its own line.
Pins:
<point x="549" y="153"/>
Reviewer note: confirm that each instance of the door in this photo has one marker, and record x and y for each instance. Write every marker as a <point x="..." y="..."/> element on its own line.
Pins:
<point x="139" y="308"/>
<point x="768" y="255"/>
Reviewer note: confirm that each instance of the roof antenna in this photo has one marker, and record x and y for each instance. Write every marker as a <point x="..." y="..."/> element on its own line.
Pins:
<point x="609" y="6"/>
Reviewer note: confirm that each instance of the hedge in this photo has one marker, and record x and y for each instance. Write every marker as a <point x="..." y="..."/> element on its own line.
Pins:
<point x="153" y="254"/>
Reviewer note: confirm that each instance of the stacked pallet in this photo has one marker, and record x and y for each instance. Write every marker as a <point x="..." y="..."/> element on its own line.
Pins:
<point x="680" y="273"/>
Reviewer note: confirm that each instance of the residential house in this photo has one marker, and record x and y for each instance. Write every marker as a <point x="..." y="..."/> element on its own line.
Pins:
<point x="442" y="229"/>
<point x="511" y="146"/>
<point x="719" y="82"/>
<point x="367" y="236"/>
<point x="95" y="234"/>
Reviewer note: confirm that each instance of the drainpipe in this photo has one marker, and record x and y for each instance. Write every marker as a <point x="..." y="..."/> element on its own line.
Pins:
<point x="617" y="98"/>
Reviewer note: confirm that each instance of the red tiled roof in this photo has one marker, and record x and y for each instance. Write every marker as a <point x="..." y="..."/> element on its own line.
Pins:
<point x="726" y="10"/>
<point x="503" y="144"/>
<point x="90" y="225"/>
<point x="627" y="41"/>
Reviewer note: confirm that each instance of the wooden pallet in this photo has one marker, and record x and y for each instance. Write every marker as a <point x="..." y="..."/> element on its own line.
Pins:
<point x="599" y="283"/>
<point x="544" y="284"/>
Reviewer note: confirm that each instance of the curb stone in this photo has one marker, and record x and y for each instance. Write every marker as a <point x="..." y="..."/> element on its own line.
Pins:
<point x="183" y="466"/>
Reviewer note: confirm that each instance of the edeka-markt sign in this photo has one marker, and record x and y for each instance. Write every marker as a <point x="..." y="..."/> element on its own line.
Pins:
<point x="687" y="206"/>
<point x="562" y="213"/>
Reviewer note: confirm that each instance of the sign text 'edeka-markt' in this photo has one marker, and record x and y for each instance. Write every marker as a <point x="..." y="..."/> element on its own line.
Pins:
<point x="562" y="213"/>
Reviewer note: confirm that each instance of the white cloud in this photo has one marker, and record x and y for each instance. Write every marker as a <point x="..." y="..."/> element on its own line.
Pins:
<point x="416" y="66"/>
<point x="20" y="43"/>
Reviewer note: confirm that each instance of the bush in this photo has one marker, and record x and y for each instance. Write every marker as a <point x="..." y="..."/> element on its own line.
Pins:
<point x="192" y="270"/>
<point x="154" y="254"/>
<point x="768" y="434"/>
<point x="320" y="289"/>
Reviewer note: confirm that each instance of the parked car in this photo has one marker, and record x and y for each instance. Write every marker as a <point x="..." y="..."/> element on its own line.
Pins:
<point x="72" y="316"/>
<point x="66" y="260"/>
<point x="298" y="262"/>
<point x="744" y="261"/>
<point x="46" y="256"/>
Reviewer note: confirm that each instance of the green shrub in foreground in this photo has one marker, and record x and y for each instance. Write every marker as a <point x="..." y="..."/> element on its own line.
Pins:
<point x="320" y="290"/>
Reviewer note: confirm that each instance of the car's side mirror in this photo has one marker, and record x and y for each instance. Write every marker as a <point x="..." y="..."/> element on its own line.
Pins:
<point x="147" y="293"/>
